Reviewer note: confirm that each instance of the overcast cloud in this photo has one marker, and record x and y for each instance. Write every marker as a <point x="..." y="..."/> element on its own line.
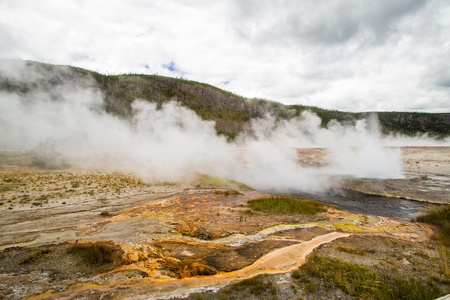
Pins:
<point x="338" y="54"/>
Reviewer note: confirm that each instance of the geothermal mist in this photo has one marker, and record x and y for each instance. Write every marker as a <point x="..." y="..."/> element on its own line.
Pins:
<point x="173" y="142"/>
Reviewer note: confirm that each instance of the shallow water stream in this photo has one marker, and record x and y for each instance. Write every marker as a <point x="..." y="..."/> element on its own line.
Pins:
<point x="360" y="203"/>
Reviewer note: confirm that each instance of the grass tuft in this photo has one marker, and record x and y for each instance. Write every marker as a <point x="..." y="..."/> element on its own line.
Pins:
<point x="105" y="214"/>
<point x="95" y="254"/>
<point x="285" y="205"/>
<point x="34" y="256"/>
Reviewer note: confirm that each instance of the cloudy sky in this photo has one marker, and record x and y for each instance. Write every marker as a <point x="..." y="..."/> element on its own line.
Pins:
<point x="348" y="55"/>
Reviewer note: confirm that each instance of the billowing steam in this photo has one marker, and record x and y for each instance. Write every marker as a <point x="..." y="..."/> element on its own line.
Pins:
<point x="173" y="142"/>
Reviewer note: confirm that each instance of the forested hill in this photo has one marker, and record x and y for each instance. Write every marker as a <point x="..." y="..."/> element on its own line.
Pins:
<point x="230" y="112"/>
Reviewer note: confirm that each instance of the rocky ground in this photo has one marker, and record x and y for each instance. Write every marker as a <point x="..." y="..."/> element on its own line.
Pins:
<point x="196" y="239"/>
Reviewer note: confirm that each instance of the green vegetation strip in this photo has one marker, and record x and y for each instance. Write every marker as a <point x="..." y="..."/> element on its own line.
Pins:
<point x="441" y="218"/>
<point x="286" y="205"/>
<point x="361" y="282"/>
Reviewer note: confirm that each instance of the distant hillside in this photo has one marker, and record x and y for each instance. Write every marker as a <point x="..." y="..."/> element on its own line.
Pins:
<point x="230" y="112"/>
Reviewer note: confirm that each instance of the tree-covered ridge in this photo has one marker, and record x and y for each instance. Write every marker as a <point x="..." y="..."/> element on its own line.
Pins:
<point x="230" y="112"/>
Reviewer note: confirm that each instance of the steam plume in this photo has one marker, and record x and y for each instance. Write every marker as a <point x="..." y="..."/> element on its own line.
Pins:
<point x="173" y="142"/>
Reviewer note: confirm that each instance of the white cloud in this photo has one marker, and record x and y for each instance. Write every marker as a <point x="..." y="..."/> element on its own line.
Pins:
<point x="344" y="54"/>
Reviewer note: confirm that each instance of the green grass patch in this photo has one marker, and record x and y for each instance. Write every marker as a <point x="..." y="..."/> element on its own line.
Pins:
<point x="444" y="261"/>
<point x="95" y="254"/>
<point x="286" y="205"/>
<point x="254" y="286"/>
<point x="361" y="282"/>
<point x="297" y="275"/>
<point x="441" y="218"/>
<point x="34" y="256"/>
<point x="301" y="278"/>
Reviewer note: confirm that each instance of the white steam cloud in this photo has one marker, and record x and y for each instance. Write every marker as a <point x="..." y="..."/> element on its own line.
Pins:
<point x="173" y="142"/>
